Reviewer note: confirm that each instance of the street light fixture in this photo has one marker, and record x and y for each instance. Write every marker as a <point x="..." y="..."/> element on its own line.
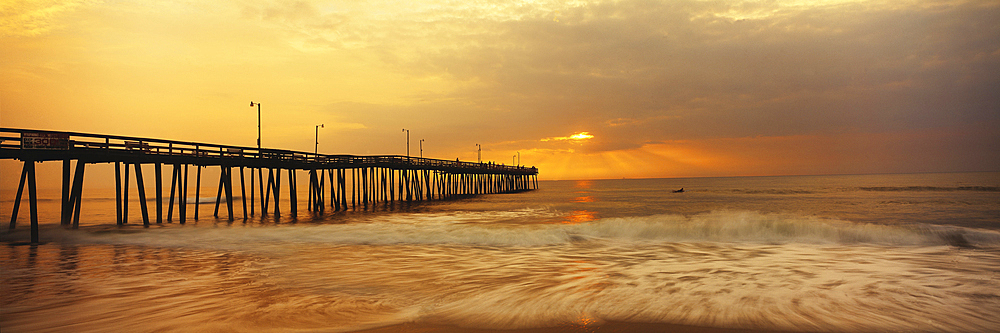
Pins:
<point x="259" y="155"/>
<point x="407" y="142"/>
<point x="317" y="139"/>
<point x="252" y="104"/>
<point x="421" y="148"/>
<point x="479" y="152"/>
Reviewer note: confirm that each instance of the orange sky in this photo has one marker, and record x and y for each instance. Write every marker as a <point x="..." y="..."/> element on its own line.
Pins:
<point x="662" y="88"/>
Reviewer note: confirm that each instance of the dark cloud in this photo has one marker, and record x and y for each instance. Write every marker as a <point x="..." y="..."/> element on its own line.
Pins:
<point x="634" y="72"/>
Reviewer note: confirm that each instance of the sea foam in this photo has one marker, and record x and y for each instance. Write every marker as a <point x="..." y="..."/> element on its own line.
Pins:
<point x="468" y="229"/>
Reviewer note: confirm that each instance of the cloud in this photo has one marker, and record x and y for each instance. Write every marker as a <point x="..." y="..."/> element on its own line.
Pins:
<point x="697" y="69"/>
<point x="635" y="74"/>
<point x="575" y="137"/>
<point x="25" y="18"/>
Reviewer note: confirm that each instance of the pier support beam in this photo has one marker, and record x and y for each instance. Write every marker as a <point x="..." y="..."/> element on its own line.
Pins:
<point x="343" y="187"/>
<point x="159" y="193"/>
<point x="263" y="200"/>
<point x="175" y="179"/>
<point x="125" y="194"/>
<point x="277" y="192"/>
<point x="118" y="194"/>
<point x="183" y="198"/>
<point x="335" y="189"/>
<point x="225" y="184"/>
<point x="243" y="193"/>
<point x="197" y="191"/>
<point x="319" y="192"/>
<point x="142" y="193"/>
<point x="65" y="193"/>
<point x="229" y="191"/>
<point x="292" y="195"/>
<point x="265" y="197"/>
<point x="76" y="194"/>
<point x="218" y="194"/>
<point x="29" y="167"/>
<point x="27" y="174"/>
<point x="251" y="190"/>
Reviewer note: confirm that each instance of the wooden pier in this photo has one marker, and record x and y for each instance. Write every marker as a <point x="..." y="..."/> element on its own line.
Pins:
<point x="373" y="179"/>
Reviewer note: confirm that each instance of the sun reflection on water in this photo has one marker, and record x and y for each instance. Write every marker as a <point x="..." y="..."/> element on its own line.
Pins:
<point x="580" y="216"/>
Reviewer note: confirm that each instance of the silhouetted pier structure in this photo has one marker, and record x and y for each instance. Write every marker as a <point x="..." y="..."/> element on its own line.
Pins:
<point x="374" y="179"/>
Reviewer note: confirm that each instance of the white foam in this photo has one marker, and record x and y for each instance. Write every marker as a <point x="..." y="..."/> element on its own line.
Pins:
<point x="475" y="229"/>
<point x="743" y="226"/>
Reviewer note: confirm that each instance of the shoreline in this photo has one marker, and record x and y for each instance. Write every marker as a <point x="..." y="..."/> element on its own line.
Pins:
<point x="605" y="327"/>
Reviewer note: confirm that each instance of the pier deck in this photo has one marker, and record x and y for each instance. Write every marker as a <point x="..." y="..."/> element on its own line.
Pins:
<point x="372" y="179"/>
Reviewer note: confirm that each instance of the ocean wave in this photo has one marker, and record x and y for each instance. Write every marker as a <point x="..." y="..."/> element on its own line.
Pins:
<point x="929" y="188"/>
<point x="785" y="191"/>
<point x="773" y="191"/>
<point x="460" y="230"/>
<point x="743" y="226"/>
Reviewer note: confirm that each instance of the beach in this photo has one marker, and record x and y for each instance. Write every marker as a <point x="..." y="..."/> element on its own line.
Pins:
<point x="916" y="252"/>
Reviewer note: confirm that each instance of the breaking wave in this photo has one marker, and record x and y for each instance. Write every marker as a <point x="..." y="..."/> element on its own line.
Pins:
<point x="431" y="229"/>
<point x="729" y="226"/>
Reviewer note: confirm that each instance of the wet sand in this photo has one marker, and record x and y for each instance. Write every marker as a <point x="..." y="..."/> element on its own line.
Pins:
<point x="606" y="327"/>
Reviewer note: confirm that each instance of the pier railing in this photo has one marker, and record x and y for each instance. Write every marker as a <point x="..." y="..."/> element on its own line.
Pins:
<point x="56" y="145"/>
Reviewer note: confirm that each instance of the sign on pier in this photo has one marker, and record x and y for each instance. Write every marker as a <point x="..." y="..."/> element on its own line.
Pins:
<point x="52" y="141"/>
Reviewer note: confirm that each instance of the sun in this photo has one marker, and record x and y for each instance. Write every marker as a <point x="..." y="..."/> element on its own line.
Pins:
<point x="581" y="136"/>
<point x="575" y="137"/>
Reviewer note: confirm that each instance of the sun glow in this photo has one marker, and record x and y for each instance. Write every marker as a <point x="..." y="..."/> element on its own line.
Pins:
<point x="575" y="137"/>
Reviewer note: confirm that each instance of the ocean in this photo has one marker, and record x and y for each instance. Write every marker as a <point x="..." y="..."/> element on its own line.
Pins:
<point x="846" y="253"/>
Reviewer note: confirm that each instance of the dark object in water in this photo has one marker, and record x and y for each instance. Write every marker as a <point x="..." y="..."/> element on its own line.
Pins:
<point x="679" y="191"/>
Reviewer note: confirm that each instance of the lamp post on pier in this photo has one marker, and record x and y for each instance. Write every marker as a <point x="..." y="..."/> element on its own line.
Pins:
<point x="316" y="151"/>
<point x="258" y="124"/>
<point x="479" y="153"/>
<point x="421" y="148"/>
<point x="407" y="142"/>
<point x="259" y="155"/>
